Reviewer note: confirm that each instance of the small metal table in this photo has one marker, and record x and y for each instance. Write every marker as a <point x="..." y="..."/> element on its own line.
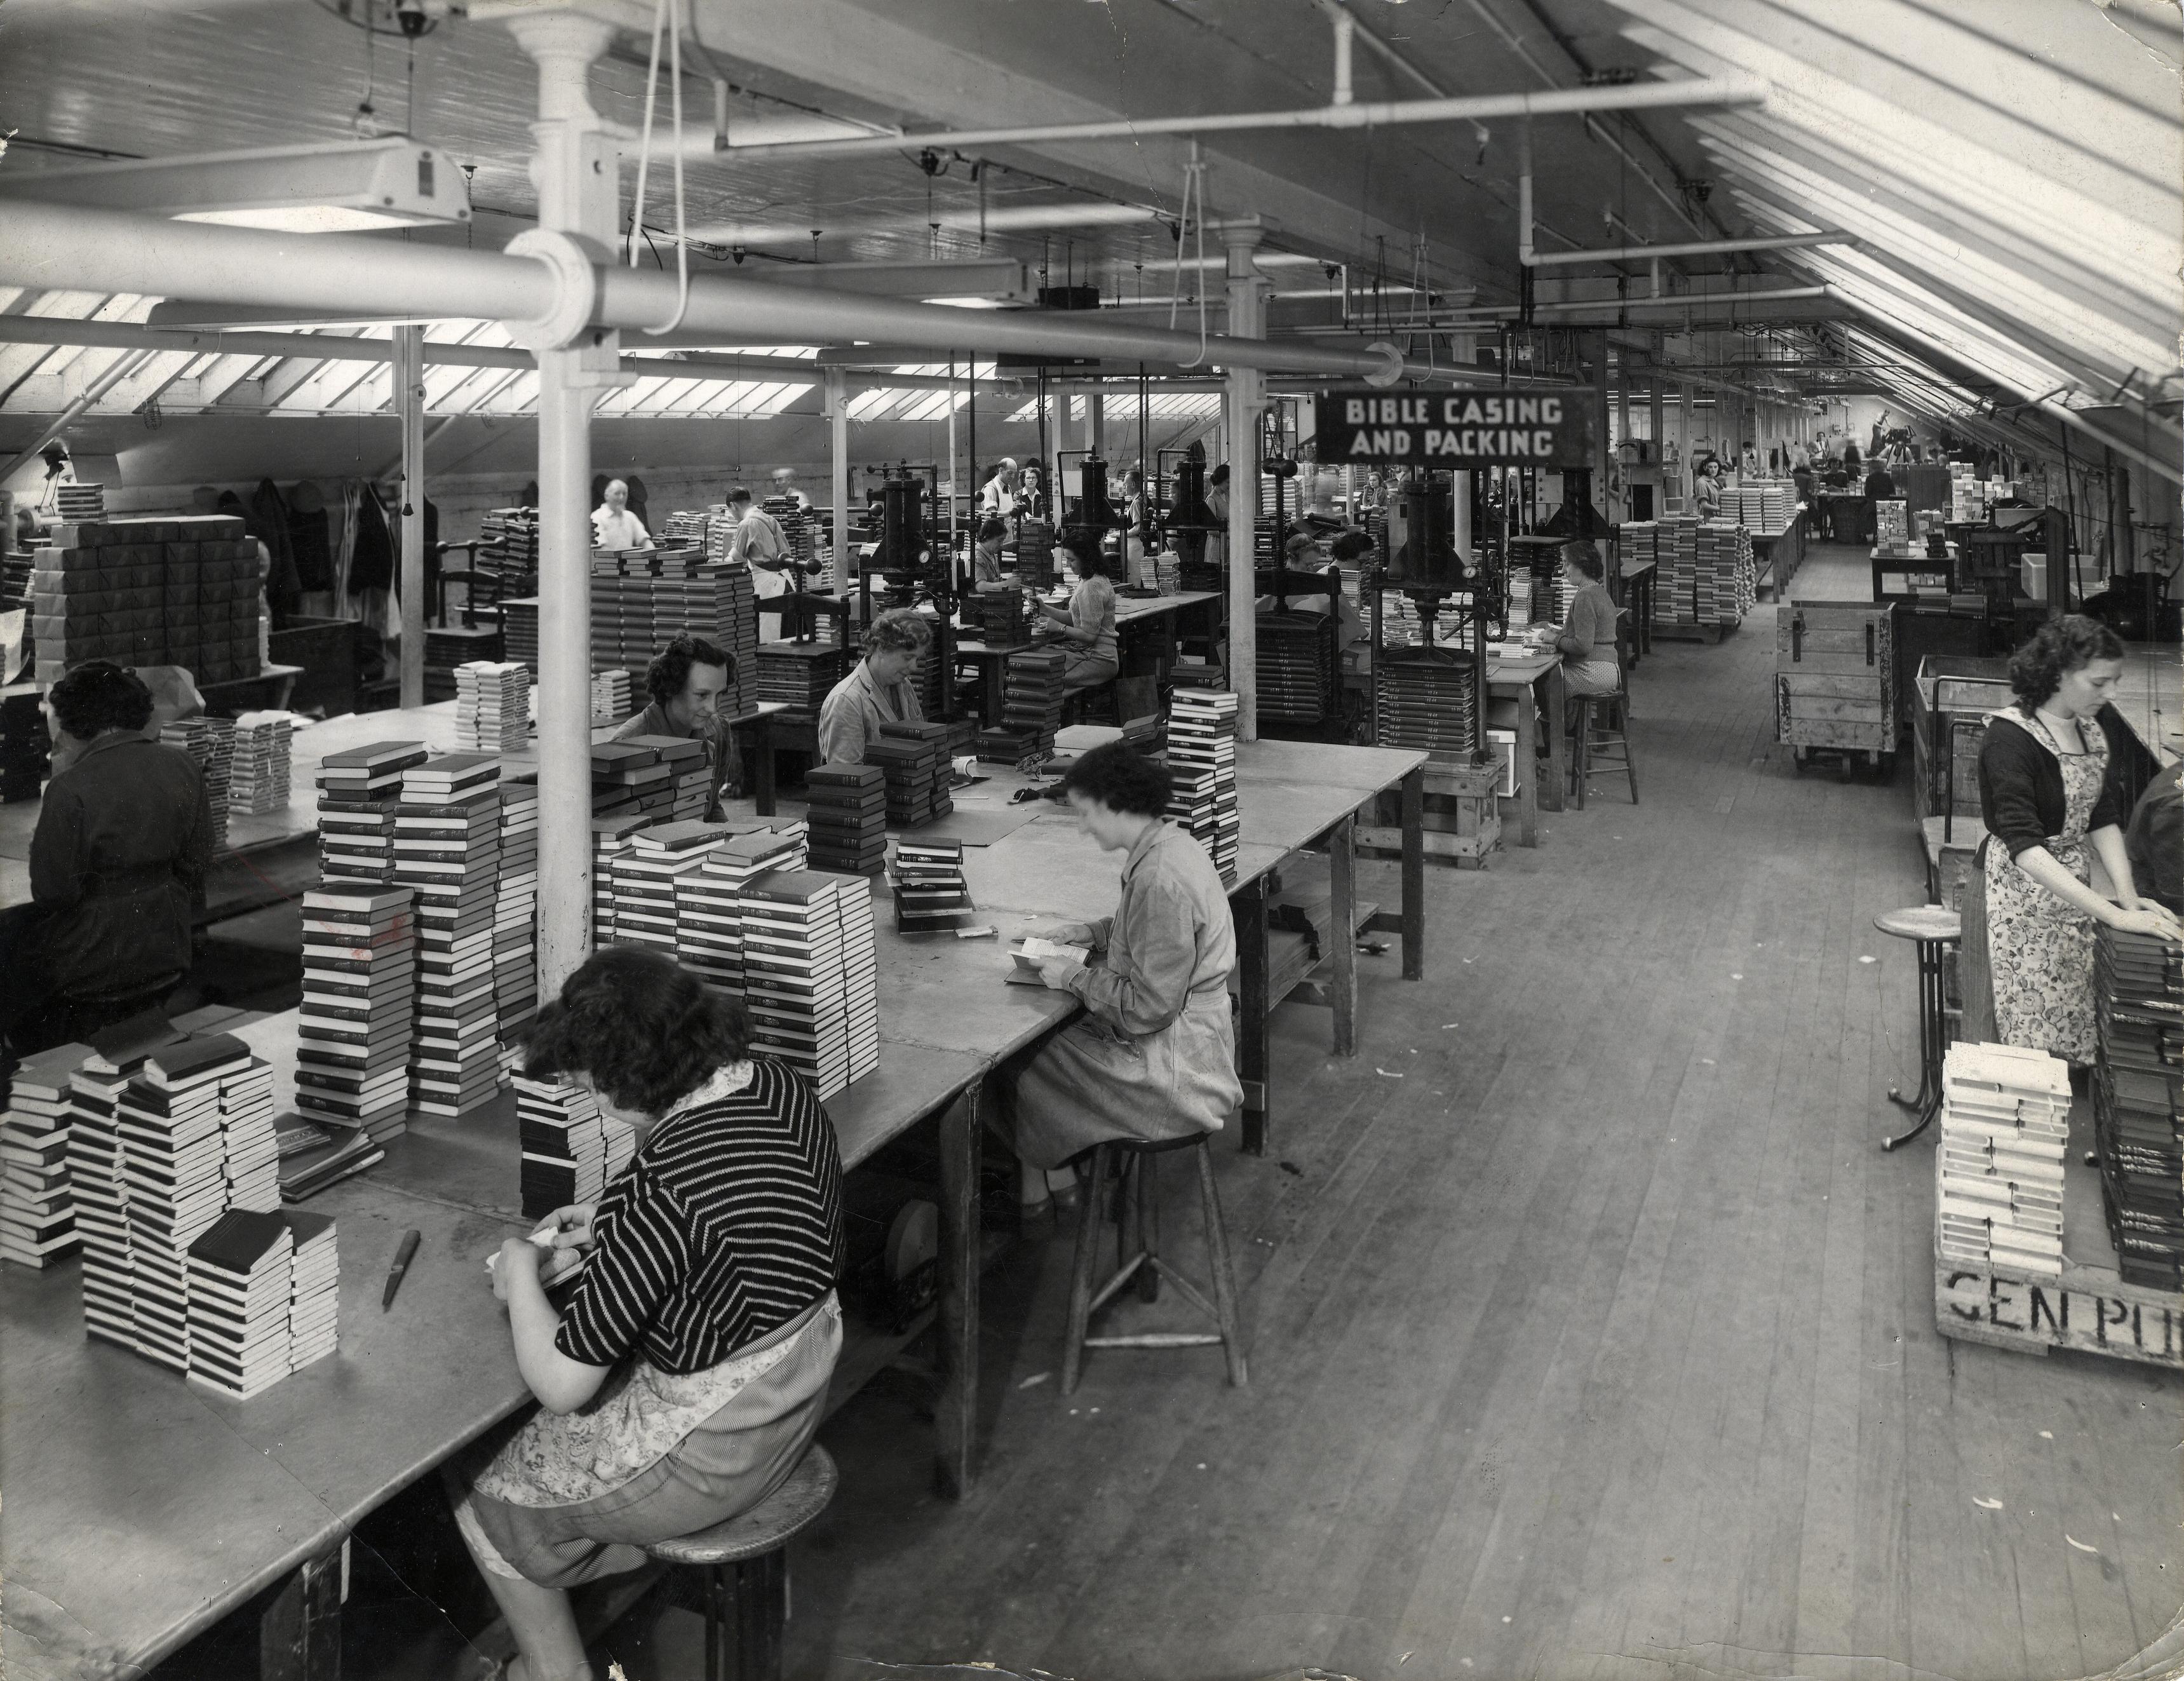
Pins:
<point x="1930" y="926"/>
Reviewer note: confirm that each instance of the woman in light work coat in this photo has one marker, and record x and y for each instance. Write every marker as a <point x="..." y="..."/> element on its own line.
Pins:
<point x="1153" y="1055"/>
<point x="881" y="689"/>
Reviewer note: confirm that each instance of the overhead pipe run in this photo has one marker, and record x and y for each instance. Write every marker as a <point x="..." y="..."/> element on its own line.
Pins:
<point x="1697" y="247"/>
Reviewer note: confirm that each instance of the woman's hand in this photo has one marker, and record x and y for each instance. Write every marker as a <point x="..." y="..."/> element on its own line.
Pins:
<point x="1054" y="973"/>
<point x="514" y="1252"/>
<point x="1072" y="933"/>
<point x="2139" y="914"/>
<point x="572" y="1224"/>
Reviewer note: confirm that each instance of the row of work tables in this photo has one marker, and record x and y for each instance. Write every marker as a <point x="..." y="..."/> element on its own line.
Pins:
<point x="140" y="1510"/>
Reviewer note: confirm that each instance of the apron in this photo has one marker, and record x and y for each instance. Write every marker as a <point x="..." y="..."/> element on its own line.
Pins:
<point x="2040" y="950"/>
<point x="1091" y="1083"/>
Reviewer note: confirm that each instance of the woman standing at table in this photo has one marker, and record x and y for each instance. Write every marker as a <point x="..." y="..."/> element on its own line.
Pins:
<point x="683" y="1377"/>
<point x="878" y="690"/>
<point x="1153" y="1055"/>
<point x="2053" y="803"/>
<point x="1085" y="628"/>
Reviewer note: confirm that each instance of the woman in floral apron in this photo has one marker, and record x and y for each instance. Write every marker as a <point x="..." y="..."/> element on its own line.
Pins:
<point x="2054" y="803"/>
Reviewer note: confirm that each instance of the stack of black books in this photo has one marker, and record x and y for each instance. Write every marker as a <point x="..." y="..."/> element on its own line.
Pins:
<point x="629" y="776"/>
<point x="1032" y="697"/>
<point x="515" y="912"/>
<point x="2139" y="1102"/>
<point x="492" y="705"/>
<point x="37" y="1210"/>
<point x="1035" y="553"/>
<point x="564" y="1147"/>
<point x="24" y="743"/>
<point x="646" y="877"/>
<point x="709" y="939"/>
<point x="915" y="757"/>
<point x="1201" y="757"/>
<point x="98" y="1174"/>
<point x="359" y="789"/>
<point x="848" y="817"/>
<point x="1425" y="697"/>
<point x="1297" y="677"/>
<point x="359" y="995"/>
<point x="313" y="1289"/>
<point x="795" y="974"/>
<point x="241" y="1284"/>
<point x="250" y="1153"/>
<point x="687" y="782"/>
<point x="860" y="976"/>
<point x="800" y="674"/>
<point x="930" y="892"/>
<point x="1007" y="620"/>
<point x="258" y="779"/>
<point x="610" y="839"/>
<point x="447" y="849"/>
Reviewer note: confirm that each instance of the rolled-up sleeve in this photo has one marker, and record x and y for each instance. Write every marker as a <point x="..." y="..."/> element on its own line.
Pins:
<point x="1160" y="932"/>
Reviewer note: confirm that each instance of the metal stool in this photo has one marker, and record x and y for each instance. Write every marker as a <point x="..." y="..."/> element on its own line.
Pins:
<point x="1932" y="926"/>
<point x="744" y="1562"/>
<point x="1127" y="1167"/>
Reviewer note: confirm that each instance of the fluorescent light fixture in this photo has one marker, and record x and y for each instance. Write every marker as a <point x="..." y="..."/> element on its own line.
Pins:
<point x="968" y="303"/>
<point x="339" y="186"/>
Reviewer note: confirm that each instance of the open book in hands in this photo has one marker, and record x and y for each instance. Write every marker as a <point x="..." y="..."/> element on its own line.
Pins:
<point x="559" y="1265"/>
<point x="1029" y="953"/>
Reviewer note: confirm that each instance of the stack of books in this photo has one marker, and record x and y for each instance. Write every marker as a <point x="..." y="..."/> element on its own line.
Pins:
<point x="508" y="547"/>
<point x="1297" y="675"/>
<point x="915" y="757"/>
<point x="930" y="891"/>
<point x="848" y="817"/>
<point x="2005" y="1126"/>
<point x="359" y="995"/>
<point x="686" y="778"/>
<point x="313" y="1289"/>
<point x="1202" y="756"/>
<point x="242" y="1288"/>
<point x="1006" y="618"/>
<point x="860" y="976"/>
<point x="563" y="1146"/>
<point x="709" y="940"/>
<point x="610" y="839"/>
<point x="646" y="877"/>
<point x="795" y="974"/>
<point x="518" y="632"/>
<point x="173" y="1159"/>
<point x="630" y="777"/>
<point x="210" y="741"/>
<point x="447" y="647"/>
<point x="1032" y="698"/>
<point x="2139" y="1102"/>
<point x="1424" y="699"/>
<point x="250" y="1153"/>
<point x="611" y="697"/>
<point x="515" y="912"/>
<point x="24" y="743"/>
<point x="1035" y="553"/>
<point x="493" y="706"/>
<point x="76" y="501"/>
<point x="99" y="1174"/>
<point x="37" y="1209"/>
<point x="359" y="790"/>
<point x="258" y="777"/>
<point x="447" y="849"/>
<point x="800" y="674"/>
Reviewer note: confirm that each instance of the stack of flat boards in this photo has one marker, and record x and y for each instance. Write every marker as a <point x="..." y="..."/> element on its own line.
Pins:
<point x="516" y="911"/>
<point x="2139" y="1102"/>
<point x="258" y="777"/>
<point x="848" y="817"/>
<point x="37" y="1208"/>
<point x="1425" y="697"/>
<point x="915" y="757"/>
<point x="800" y="674"/>
<point x="359" y="996"/>
<point x="313" y="1288"/>
<point x="1201" y="758"/>
<point x="610" y="839"/>
<point x="930" y="891"/>
<point x="447" y="849"/>
<point x="241" y="1282"/>
<point x="359" y="790"/>
<point x="709" y="939"/>
<point x="1031" y="700"/>
<point x="2005" y="1128"/>
<point x="210" y="741"/>
<point x="493" y="706"/>
<point x="646" y="877"/>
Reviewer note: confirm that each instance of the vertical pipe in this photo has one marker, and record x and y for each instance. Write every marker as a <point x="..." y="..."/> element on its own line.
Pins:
<point x="1247" y="319"/>
<point x="837" y="472"/>
<point x="954" y="488"/>
<point x="1600" y="446"/>
<point x="409" y="373"/>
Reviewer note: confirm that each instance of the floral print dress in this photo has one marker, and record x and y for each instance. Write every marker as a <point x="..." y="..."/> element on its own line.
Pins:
<point x="2040" y="950"/>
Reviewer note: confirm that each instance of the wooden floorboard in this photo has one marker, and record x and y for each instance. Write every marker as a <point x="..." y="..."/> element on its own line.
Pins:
<point x="1608" y="1317"/>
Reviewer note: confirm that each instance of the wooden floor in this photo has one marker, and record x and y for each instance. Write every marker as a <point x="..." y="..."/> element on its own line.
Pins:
<point x="1591" y="1333"/>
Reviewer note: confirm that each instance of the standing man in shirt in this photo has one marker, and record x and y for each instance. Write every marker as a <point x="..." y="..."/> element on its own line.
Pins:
<point x="686" y="680"/>
<point x="760" y="543"/>
<point x="613" y="526"/>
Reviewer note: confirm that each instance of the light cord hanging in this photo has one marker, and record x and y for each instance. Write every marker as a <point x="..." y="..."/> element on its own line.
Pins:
<point x="666" y="14"/>
<point x="1194" y="184"/>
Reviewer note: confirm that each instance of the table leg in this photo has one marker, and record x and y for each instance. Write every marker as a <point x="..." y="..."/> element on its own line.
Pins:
<point x="1529" y="772"/>
<point x="996" y="688"/>
<point x="1253" y="1051"/>
<point x="957" y="1416"/>
<point x="299" y="1633"/>
<point x="1342" y="932"/>
<point x="1414" y="874"/>
<point x="760" y="736"/>
<point x="1554" y="698"/>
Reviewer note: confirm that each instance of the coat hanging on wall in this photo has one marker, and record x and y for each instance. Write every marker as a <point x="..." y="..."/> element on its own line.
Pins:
<point x="372" y="565"/>
<point x="310" y="537"/>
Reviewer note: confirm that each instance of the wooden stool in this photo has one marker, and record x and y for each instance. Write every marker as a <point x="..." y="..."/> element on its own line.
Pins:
<point x="1127" y="1167"/>
<point x="1932" y="926"/>
<point x="1613" y="732"/>
<point x="744" y="1563"/>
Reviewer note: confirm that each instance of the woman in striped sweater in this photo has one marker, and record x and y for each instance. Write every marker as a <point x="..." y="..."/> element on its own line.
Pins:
<point x="681" y="1378"/>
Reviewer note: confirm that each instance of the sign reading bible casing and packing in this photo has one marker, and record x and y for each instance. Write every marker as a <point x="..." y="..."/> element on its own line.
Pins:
<point x="1455" y="428"/>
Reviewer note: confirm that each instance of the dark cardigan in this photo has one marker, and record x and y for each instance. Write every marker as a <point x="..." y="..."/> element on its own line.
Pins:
<point x="2020" y="782"/>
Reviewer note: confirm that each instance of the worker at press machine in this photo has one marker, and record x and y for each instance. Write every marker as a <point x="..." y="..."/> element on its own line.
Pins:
<point x="686" y="680"/>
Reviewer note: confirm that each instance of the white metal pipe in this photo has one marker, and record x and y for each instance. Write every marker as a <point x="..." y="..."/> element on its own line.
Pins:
<point x="1727" y="90"/>
<point x="1696" y="247"/>
<point x="408" y="383"/>
<point x="1346" y="36"/>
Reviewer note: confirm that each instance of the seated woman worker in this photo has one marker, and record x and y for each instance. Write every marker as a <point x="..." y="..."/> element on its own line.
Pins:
<point x="1154" y="1054"/>
<point x="682" y="1380"/>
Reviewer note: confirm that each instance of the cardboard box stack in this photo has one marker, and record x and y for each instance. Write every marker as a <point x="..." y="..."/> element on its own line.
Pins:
<point x="173" y="591"/>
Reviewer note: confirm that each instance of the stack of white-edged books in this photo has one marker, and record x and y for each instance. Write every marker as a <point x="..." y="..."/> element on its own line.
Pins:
<point x="37" y="1207"/>
<point x="242" y="1276"/>
<point x="493" y="706"/>
<point x="314" y="1288"/>
<point x="2005" y="1129"/>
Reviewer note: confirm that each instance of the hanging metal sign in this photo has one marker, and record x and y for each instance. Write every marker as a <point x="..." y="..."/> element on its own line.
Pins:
<point x="1455" y="428"/>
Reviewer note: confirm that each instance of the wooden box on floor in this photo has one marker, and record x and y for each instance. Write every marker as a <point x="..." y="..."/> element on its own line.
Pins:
<point x="1463" y="814"/>
<point x="1834" y="677"/>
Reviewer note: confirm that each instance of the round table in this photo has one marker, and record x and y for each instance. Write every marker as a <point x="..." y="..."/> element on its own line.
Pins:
<point x="1931" y="927"/>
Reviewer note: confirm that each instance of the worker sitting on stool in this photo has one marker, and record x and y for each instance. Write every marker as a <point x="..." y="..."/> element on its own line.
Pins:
<point x="117" y="866"/>
<point x="989" y="568"/>
<point x="1085" y="628"/>
<point x="1586" y="637"/>
<point x="878" y="690"/>
<point x="686" y="680"/>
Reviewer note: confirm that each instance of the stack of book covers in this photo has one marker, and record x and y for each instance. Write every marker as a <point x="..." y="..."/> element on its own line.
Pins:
<point x="611" y="697"/>
<point x="258" y="779"/>
<point x="359" y="995"/>
<point x="630" y="777"/>
<point x="210" y="741"/>
<point x="1298" y="676"/>
<point x="1032" y="698"/>
<point x="799" y="675"/>
<point x="493" y="706"/>
<point x="313" y="1288"/>
<point x="685" y="779"/>
<point x="848" y="817"/>
<point x="447" y="849"/>
<point x="1202" y="756"/>
<point x="515" y="912"/>
<point x="930" y="891"/>
<point x="37" y="1208"/>
<point x="795" y="974"/>
<point x="98" y="1172"/>
<point x="709" y="939"/>
<point x="242" y="1286"/>
<point x="2005" y="1127"/>
<point x="918" y="780"/>
<point x="359" y="789"/>
<point x="610" y="839"/>
<point x="646" y="877"/>
<point x="570" y="1150"/>
<point x="1425" y="697"/>
<point x="173" y="1161"/>
<point x="2139" y="1102"/>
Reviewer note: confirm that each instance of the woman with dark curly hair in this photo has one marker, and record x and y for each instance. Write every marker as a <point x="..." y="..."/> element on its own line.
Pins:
<point x="2054" y="804"/>
<point x="1153" y="1055"/>
<point x="685" y="681"/>
<point x="878" y="690"/>
<point x="682" y="1380"/>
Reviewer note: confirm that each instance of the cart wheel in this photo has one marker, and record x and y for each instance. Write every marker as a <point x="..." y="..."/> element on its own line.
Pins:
<point x="1885" y="765"/>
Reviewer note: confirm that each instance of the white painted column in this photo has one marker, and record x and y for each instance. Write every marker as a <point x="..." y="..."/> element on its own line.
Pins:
<point x="1247" y="319"/>
<point x="408" y="376"/>
<point x="837" y="395"/>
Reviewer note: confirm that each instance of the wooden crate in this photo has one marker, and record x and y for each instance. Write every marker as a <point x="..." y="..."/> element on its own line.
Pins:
<point x="1462" y="814"/>
<point x="1834" y="683"/>
<point x="1950" y="861"/>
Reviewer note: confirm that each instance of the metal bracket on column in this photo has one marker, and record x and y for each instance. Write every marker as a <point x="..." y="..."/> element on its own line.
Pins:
<point x="575" y="297"/>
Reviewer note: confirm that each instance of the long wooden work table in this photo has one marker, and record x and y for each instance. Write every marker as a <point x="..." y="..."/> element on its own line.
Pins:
<point x="140" y="1510"/>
